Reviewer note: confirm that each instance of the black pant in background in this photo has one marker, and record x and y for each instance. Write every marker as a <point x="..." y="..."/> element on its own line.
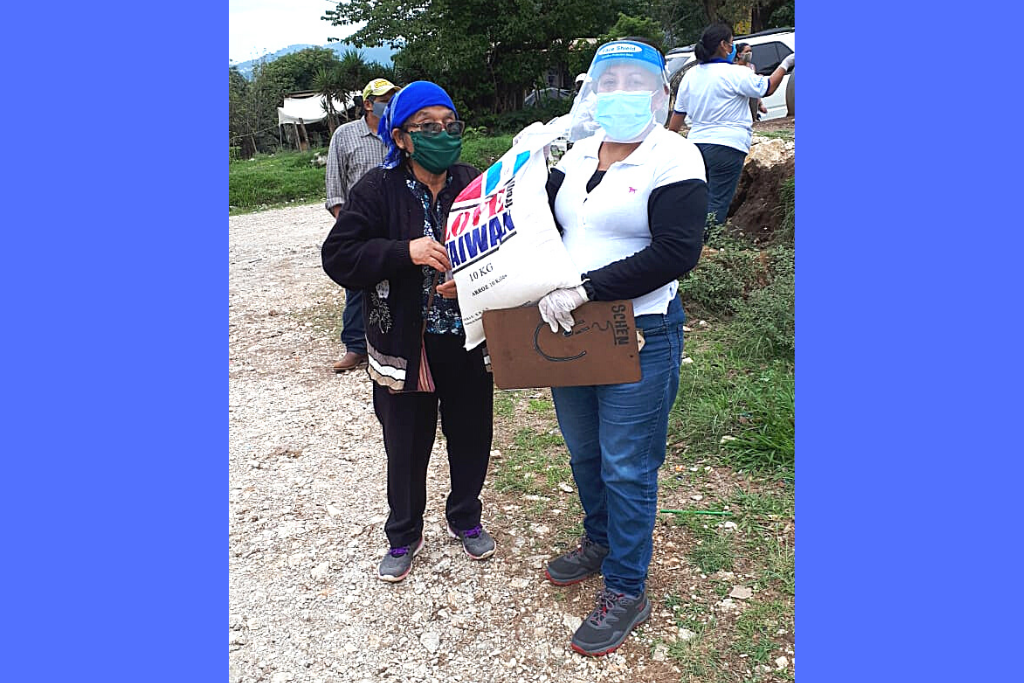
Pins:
<point x="465" y="394"/>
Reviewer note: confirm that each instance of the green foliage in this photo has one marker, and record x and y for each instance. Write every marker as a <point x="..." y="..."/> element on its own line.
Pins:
<point x="270" y="179"/>
<point x="787" y="231"/>
<point x="740" y="382"/>
<point x="642" y="27"/>
<point x="765" y="322"/>
<point x="484" y="151"/>
<point x="297" y="71"/>
<point x="766" y="441"/>
<point x="724" y="393"/>
<point x="723" y="279"/>
<point x="487" y="55"/>
<point x="515" y="121"/>
<point x="784" y="15"/>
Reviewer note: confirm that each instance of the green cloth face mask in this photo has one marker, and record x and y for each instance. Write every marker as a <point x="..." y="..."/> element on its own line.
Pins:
<point x="436" y="153"/>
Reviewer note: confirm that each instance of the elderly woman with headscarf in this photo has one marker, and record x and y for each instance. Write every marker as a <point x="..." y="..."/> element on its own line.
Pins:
<point x="388" y="241"/>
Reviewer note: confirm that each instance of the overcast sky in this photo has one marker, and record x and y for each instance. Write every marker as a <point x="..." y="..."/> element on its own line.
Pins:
<point x="257" y="27"/>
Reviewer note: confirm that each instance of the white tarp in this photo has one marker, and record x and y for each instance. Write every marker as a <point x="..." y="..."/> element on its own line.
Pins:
<point x="309" y="109"/>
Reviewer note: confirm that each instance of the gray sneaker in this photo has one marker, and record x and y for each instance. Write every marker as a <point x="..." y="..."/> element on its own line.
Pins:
<point x="608" y="626"/>
<point x="477" y="543"/>
<point x="396" y="564"/>
<point x="578" y="564"/>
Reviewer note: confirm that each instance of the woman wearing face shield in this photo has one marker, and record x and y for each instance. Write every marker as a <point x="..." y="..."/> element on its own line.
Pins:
<point x="717" y="95"/>
<point x="630" y="202"/>
<point x="387" y="241"/>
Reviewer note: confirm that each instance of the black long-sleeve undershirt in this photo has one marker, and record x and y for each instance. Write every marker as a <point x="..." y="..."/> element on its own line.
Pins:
<point x="676" y="214"/>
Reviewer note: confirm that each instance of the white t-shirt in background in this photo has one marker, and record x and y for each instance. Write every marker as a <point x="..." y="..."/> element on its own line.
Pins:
<point x="717" y="98"/>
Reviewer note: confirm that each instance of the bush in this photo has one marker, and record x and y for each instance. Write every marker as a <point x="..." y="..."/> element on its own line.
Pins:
<point x="723" y="279"/>
<point x="765" y="321"/>
<point x="787" y="230"/>
<point x="514" y="121"/>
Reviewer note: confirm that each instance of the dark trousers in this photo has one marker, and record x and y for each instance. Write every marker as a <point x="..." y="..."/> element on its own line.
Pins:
<point x="465" y="396"/>
<point x="724" y="165"/>
<point x="353" y="330"/>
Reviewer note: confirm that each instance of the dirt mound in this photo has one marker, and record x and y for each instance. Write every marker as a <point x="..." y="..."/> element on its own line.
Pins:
<point x="757" y="208"/>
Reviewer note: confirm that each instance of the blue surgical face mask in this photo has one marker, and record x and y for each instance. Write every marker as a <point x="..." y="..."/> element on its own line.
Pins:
<point x="624" y="115"/>
<point x="732" y="53"/>
<point x="379" y="107"/>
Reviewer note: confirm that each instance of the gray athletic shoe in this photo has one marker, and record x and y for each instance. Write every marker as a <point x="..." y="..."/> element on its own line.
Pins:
<point x="578" y="564"/>
<point x="608" y="626"/>
<point x="477" y="543"/>
<point x="396" y="564"/>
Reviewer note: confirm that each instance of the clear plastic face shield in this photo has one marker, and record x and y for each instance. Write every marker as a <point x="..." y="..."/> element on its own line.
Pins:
<point x="625" y="93"/>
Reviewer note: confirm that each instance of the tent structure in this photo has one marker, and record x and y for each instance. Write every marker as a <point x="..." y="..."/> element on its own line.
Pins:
<point x="309" y="107"/>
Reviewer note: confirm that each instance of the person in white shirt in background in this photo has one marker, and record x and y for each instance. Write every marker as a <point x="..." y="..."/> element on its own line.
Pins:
<point x="716" y="96"/>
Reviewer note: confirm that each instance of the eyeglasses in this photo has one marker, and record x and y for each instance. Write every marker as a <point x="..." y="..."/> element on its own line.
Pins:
<point x="432" y="128"/>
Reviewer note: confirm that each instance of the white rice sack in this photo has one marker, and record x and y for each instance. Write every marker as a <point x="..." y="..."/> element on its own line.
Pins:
<point x="501" y="237"/>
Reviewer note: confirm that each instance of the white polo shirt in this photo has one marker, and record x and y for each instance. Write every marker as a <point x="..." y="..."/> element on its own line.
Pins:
<point x="611" y="222"/>
<point x="717" y="98"/>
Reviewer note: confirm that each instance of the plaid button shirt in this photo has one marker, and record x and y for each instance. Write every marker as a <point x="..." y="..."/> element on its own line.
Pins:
<point x="355" y="149"/>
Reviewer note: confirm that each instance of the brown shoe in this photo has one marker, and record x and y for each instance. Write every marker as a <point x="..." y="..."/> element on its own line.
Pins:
<point x="350" y="361"/>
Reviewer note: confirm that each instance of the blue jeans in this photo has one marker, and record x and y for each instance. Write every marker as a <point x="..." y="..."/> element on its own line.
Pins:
<point x="724" y="165"/>
<point x="353" y="329"/>
<point x="616" y="435"/>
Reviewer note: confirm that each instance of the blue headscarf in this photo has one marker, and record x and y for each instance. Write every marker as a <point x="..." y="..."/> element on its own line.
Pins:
<point x="404" y="104"/>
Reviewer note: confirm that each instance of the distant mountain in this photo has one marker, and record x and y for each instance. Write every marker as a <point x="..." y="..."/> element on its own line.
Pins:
<point x="381" y="55"/>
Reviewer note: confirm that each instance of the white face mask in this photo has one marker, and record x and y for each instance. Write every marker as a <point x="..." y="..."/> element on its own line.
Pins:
<point x="625" y="116"/>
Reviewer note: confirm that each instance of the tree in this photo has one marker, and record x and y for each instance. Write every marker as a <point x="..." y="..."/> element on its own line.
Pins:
<point x="349" y="75"/>
<point x="485" y="53"/>
<point x="640" y="27"/>
<point x="298" y="69"/>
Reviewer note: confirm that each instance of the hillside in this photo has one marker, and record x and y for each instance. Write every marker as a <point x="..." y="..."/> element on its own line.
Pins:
<point x="381" y="55"/>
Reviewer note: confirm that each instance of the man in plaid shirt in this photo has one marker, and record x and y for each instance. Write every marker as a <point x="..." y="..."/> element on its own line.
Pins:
<point x="355" y="149"/>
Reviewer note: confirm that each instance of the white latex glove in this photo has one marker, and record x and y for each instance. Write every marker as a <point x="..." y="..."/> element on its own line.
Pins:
<point x="788" y="62"/>
<point x="556" y="307"/>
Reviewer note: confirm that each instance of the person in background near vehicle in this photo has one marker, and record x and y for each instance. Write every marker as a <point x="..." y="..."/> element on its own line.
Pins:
<point x="630" y="202"/>
<point x="744" y="53"/>
<point x="716" y="96"/>
<point x="355" y="149"/>
<point x="388" y="240"/>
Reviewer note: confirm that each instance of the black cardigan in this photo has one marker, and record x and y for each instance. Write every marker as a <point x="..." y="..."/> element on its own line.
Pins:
<point x="369" y="244"/>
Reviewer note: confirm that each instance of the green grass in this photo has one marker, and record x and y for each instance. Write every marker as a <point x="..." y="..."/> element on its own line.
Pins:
<point x="756" y="629"/>
<point x="722" y="393"/>
<point x="289" y="177"/>
<point x="274" y="179"/>
<point x="504" y="404"/>
<point x="780" y="134"/>
<point x="713" y="550"/>
<point x="534" y="464"/>
<point x="483" y="151"/>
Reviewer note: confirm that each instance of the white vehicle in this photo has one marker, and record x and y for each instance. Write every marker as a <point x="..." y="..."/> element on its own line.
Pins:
<point x="769" y="48"/>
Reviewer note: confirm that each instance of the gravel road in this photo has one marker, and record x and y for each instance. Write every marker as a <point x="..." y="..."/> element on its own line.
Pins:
<point x="307" y="506"/>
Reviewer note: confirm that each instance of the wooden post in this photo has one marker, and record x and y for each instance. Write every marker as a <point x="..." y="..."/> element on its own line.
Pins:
<point x="303" y="137"/>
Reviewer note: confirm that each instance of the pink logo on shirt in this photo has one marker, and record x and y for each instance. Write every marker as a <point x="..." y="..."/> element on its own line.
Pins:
<point x="632" y="190"/>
